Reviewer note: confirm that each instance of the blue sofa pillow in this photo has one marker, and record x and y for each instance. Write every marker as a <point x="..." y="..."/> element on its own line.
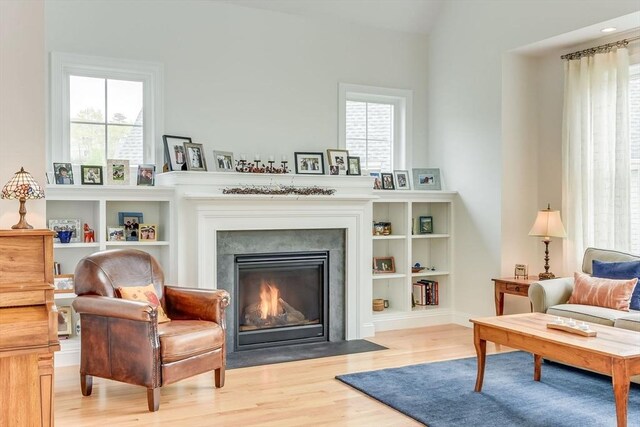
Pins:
<point x="620" y="270"/>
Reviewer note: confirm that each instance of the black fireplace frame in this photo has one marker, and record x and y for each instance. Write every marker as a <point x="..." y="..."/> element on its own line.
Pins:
<point x="288" y="335"/>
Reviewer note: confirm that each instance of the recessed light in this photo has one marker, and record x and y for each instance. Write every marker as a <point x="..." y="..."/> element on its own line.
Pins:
<point x="608" y="30"/>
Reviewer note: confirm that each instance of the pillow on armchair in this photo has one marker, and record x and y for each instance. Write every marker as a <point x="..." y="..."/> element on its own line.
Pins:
<point x="620" y="270"/>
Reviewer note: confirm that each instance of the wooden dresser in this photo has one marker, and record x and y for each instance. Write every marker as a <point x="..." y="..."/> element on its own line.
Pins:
<point x="28" y="328"/>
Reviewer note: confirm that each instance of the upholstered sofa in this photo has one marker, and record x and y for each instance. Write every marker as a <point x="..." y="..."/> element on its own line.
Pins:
<point x="551" y="296"/>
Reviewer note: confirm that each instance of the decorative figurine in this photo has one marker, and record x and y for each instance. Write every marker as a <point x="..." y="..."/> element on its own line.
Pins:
<point x="89" y="235"/>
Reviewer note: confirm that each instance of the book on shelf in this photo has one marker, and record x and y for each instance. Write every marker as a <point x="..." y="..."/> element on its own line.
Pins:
<point x="425" y="292"/>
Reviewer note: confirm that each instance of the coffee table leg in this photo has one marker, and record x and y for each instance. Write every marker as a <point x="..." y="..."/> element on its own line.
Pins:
<point x="481" y="350"/>
<point x="537" y="367"/>
<point x="620" y="380"/>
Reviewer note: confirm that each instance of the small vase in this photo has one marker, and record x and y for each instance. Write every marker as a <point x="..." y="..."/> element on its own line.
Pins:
<point x="65" y="236"/>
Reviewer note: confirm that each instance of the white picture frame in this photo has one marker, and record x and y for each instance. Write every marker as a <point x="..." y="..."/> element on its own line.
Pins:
<point x="402" y="179"/>
<point x="73" y="224"/>
<point x="117" y="172"/>
<point x="223" y="161"/>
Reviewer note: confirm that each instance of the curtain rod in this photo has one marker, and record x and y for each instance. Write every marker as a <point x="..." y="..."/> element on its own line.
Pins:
<point x="599" y="49"/>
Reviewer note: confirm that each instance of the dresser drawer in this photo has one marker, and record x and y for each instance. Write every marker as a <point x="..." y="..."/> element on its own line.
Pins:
<point x="22" y="298"/>
<point x="517" y="289"/>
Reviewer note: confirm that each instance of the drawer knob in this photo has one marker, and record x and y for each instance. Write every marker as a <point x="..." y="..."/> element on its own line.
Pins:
<point x="517" y="288"/>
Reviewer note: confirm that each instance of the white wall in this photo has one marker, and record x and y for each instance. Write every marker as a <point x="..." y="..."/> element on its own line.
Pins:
<point x="246" y="80"/>
<point x="22" y="102"/>
<point x="466" y="52"/>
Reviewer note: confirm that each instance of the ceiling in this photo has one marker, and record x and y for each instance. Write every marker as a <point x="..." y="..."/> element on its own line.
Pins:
<point x="410" y="16"/>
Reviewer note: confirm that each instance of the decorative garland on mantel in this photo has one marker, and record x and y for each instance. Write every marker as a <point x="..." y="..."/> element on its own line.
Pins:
<point x="279" y="190"/>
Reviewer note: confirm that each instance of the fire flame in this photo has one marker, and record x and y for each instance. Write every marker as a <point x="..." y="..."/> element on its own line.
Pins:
<point x="269" y="296"/>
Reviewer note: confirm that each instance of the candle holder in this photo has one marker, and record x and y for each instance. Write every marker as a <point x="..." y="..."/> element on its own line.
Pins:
<point x="257" y="167"/>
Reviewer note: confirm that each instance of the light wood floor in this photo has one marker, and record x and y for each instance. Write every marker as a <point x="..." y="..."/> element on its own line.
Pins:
<point x="303" y="393"/>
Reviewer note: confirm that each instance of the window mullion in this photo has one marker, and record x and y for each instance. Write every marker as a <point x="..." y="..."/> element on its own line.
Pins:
<point x="106" y="121"/>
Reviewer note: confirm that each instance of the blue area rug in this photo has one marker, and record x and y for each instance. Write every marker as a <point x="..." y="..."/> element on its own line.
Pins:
<point x="441" y="393"/>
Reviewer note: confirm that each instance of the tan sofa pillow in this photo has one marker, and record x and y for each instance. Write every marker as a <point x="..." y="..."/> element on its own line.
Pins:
<point x="144" y="294"/>
<point x="600" y="292"/>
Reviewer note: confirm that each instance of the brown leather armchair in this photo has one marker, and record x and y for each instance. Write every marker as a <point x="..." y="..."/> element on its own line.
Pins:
<point x="121" y="339"/>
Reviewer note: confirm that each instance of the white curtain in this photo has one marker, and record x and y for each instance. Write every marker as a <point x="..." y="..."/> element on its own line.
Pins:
<point x="595" y="151"/>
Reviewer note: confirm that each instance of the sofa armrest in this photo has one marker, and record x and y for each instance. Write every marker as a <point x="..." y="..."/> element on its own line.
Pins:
<point x="547" y="293"/>
<point x="194" y="303"/>
<point x="115" y="307"/>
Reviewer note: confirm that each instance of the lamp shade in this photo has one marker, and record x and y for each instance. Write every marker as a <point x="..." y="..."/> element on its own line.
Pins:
<point x="22" y="186"/>
<point x="548" y="224"/>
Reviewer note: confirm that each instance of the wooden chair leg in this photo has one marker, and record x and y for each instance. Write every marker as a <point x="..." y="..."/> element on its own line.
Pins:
<point x="219" y="377"/>
<point x="153" y="399"/>
<point x="86" y="384"/>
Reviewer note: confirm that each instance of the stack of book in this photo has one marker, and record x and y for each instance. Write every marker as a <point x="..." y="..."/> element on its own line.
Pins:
<point x="425" y="292"/>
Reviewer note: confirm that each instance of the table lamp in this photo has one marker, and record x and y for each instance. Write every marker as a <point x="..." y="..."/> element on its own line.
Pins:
<point x="22" y="187"/>
<point x="548" y="224"/>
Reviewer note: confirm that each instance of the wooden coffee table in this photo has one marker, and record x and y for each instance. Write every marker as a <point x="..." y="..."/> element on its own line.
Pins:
<point x="614" y="351"/>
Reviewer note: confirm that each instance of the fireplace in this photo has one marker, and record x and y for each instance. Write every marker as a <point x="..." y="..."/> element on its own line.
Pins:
<point x="281" y="299"/>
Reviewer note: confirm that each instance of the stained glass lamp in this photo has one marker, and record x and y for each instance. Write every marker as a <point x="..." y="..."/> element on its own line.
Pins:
<point x="22" y="187"/>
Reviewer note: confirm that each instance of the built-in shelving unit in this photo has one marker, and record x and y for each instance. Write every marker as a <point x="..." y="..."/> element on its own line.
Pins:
<point x="407" y="246"/>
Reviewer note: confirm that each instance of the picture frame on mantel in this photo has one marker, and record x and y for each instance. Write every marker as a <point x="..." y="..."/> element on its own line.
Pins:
<point x="309" y="163"/>
<point x="175" y="152"/>
<point x="195" y="157"/>
<point x="426" y="179"/>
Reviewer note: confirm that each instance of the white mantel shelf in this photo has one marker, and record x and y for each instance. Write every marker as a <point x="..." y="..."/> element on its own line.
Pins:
<point x="277" y="197"/>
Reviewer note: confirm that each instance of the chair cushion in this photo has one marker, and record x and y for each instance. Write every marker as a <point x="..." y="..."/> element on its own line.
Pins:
<point x="588" y="313"/>
<point x="620" y="270"/>
<point x="144" y="294"/>
<point x="600" y="292"/>
<point x="182" y="339"/>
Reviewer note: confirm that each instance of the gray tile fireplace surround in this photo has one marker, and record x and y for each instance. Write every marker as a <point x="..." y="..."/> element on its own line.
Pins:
<point x="231" y="243"/>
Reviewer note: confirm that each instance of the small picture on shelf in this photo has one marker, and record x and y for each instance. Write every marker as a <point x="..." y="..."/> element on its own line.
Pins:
<point x="117" y="172"/>
<point x="115" y="234"/>
<point x="338" y="158"/>
<point x="387" y="181"/>
<point x="148" y="232"/>
<point x="146" y="175"/>
<point x="520" y="271"/>
<point x="224" y="161"/>
<point x="63" y="283"/>
<point x="354" y="165"/>
<point x="64" y="321"/>
<point x="402" y="180"/>
<point x="384" y="265"/>
<point x="426" y="225"/>
<point x="174" y="152"/>
<point x="195" y="157"/>
<point x="377" y="182"/>
<point x="91" y="175"/>
<point x="131" y="222"/>
<point x="66" y="224"/>
<point x="426" y="179"/>
<point x="63" y="173"/>
<point x="309" y="163"/>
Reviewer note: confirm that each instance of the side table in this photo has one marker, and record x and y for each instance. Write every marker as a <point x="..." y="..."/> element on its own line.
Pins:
<point x="511" y="286"/>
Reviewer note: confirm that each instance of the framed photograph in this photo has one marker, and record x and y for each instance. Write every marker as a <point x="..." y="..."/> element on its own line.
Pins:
<point x="384" y="265"/>
<point x="425" y="224"/>
<point x="116" y="234"/>
<point x="91" y="175"/>
<point x="148" y="232"/>
<point x="520" y="271"/>
<point x="63" y="283"/>
<point x="377" y="182"/>
<point x="387" y="181"/>
<point x="353" y="165"/>
<point x="174" y="152"/>
<point x="195" y="157"/>
<point x="334" y="170"/>
<point x="63" y="173"/>
<point x="224" y="161"/>
<point x="64" y="321"/>
<point x="146" y="175"/>
<point x="117" y="172"/>
<point x="131" y="222"/>
<point x="402" y="180"/>
<point x="309" y="163"/>
<point x="426" y="179"/>
<point x="67" y="224"/>
<point x="338" y="158"/>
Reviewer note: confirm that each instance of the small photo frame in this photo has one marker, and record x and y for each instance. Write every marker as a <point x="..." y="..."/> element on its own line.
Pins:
<point x="148" y="232"/>
<point x="91" y="175"/>
<point x="338" y="158"/>
<point x="131" y="222"/>
<point x="426" y="179"/>
<point x="146" y="175"/>
<point x="63" y="173"/>
<point x="174" y="151"/>
<point x="377" y="181"/>
<point x="402" y="180"/>
<point x="195" y="157"/>
<point x="223" y="161"/>
<point x="425" y="224"/>
<point x="384" y="265"/>
<point x="63" y="283"/>
<point x="353" y="165"/>
<point x="334" y="170"/>
<point x="116" y="234"/>
<point x="64" y="321"/>
<point x="387" y="181"/>
<point x="309" y="163"/>
<point x="520" y="271"/>
<point x="117" y="172"/>
<point x="66" y="224"/>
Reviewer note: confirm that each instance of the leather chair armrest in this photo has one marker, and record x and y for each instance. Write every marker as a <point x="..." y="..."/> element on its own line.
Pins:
<point x="115" y="307"/>
<point x="194" y="303"/>
<point x="547" y="293"/>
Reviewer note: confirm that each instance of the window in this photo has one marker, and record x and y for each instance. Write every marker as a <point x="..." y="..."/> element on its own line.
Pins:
<point x="104" y="108"/>
<point x="375" y="125"/>
<point x="634" y="142"/>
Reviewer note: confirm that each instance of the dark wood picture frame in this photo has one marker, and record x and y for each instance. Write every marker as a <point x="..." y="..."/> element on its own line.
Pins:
<point x="353" y="165"/>
<point x="91" y="175"/>
<point x="387" y="181"/>
<point x="60" y="178"/>
<point x="175" y="152"/>
<point x="384" y="265"/>
<point x="309" y="163"/>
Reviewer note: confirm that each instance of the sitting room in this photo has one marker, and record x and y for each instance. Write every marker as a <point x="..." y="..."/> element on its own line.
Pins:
<point x="429" y="213"/>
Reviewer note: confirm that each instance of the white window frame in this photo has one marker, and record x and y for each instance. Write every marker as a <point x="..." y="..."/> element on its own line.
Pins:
<point x="401" y="99"/>
<point x="64" y="65"/>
